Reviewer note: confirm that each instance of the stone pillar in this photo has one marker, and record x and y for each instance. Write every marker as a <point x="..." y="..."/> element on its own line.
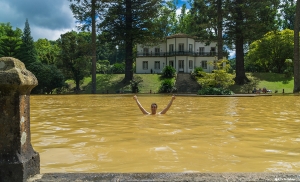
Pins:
<point x="18" y="160"/>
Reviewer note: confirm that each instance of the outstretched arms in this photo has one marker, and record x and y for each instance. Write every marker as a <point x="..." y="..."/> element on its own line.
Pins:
<point x="168" y="106"/>
<point x="140" y="106"/>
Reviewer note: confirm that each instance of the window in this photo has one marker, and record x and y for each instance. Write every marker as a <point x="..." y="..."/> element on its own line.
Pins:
<point x="213" y="51"/>
<point x="190" y="47"/>
<point x="201" y="51"/>
<point x="171" y="63"/>
<point x="157" y="51"/>
<point x="157" y="65"/>
<point x="171" y="48"/>
<point x="190" y="64"/>
<point x="146" y="51"/>
<point x="145" y="65"/>
<point x="181" y="47"/>
<point x="204" y="64"/>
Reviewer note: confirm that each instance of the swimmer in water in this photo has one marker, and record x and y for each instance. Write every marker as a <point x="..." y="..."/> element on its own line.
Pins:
<point x="153" y="106"/>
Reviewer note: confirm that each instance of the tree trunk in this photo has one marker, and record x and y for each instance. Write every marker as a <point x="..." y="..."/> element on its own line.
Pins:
<point x="94" y="53"/>
<point x="296" y="49"/>
<point x="128" y="43"/>
<point x="220" y="38"/>
<point x="239" y="47"/>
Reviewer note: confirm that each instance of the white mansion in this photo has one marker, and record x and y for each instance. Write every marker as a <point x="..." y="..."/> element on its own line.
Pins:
<point x="181" y="51"/>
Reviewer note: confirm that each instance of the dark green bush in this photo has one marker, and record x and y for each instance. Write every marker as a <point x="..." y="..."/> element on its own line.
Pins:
<point x="167" y="86"/>
<point x="197" y="73"/>
<point x="135" y="84"/>
<point x="168" y="72"/>
<point x="214" y="91"/>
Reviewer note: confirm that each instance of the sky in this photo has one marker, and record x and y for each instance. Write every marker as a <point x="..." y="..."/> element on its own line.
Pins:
<point x="47" y="18"/>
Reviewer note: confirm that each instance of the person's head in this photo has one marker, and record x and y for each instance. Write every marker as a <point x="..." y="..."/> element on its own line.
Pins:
<point x="153" y="108"/>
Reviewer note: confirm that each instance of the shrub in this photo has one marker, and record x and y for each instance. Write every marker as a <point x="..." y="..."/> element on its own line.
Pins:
<point x="135" y="84"/>
<point x="168" y="72"/>
<point x="248" y="87"/>
<point x="198" y="72"/>
<point x="118" y="68"/>
<point x="214" y="91"/>
<point x="167" y="86"/>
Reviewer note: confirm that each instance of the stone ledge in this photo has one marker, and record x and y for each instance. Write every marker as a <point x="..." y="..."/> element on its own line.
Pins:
<point x="203" y="177"/>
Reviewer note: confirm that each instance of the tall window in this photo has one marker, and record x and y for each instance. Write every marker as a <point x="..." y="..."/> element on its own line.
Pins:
<point x="181" y="47"/>
<point x="145" y="65"/>
<point x="204" y="64"/>
<point x="171" y="48"/>
<point x="171" y="63"/>
<point x="157" y="51"/>
<point x="201" y="51"/>
<point x="157" y="65"/>
<point x="146" y="51"/>
<point x="191" y="64"/>
<point x="213" y="51"/>
<point x="190" y="47"/>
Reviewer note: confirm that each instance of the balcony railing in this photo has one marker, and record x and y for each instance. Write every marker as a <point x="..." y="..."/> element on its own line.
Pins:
<point x="176" y="53"/>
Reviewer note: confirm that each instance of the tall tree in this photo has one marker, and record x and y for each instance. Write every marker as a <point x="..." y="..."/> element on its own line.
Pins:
<point x="86" y="12"/>
<point x="27" y="53"/>
<point x="130" y="21"/>
<point x="296" y="49"/>
<point x="246" y="21"/>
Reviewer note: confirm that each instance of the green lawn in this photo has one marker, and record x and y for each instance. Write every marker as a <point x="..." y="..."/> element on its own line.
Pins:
<point x="112" y="83"/>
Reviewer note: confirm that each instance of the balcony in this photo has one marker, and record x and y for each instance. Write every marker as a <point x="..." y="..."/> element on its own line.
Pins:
<point x="177" y="53"/>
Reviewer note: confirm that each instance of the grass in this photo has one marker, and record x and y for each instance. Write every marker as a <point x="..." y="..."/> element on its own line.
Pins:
<point x="271" y="81"/>
<point x="112" y="83"/>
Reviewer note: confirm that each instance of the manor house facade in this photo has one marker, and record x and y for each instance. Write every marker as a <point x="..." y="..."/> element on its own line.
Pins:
<point x="181" y="51"/>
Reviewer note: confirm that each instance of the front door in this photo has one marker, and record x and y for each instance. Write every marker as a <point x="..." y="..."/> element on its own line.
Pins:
<point x="181" y="65"/>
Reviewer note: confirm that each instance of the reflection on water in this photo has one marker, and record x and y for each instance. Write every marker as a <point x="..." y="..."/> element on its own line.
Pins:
<point x="108" y="133"/>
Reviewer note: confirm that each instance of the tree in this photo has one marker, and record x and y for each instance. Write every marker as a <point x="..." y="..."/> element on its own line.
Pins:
<point x="49" y="77"/>
<point x="85" y="12"/>
<point x="27" y="53"/>
<point x="296" y="49"/>
<point x="130" y="21"/>
<point x="10" y="40"/>
<point x="269" y="53"/>
<point x="288" y="9"/>
<point x="246" y="21"/>
<point x="75" y="56"/>
<point x="47" y="51"/>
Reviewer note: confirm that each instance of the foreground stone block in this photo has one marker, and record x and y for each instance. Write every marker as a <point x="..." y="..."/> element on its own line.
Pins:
<point x="18" y="160"/>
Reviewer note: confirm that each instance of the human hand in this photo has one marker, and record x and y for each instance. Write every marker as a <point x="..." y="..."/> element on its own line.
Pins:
<point x="135" y="97"/>
<point x="173" y="97"/>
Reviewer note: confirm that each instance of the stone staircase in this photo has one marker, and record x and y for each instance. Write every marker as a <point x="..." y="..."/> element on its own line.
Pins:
<point x="185" y="84"/>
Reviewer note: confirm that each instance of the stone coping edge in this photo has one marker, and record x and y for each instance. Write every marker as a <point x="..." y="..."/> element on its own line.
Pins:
<point x="203" y="177"/>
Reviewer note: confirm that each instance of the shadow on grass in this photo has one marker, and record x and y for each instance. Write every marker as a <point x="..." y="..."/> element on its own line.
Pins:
<point x="272" y="77"/>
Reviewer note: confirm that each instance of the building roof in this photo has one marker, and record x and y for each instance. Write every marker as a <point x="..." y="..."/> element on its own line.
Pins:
<point x="180" y="35"/>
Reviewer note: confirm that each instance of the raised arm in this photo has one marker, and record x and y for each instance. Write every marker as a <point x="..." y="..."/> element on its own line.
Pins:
<point x="168" y="106"/>
<point x="140" y="106"/>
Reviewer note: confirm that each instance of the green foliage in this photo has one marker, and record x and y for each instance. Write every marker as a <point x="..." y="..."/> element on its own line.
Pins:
<point x="47" y="51"/>
<point x="288" y="72"/>
<point x="214" y="91"/>
<point x="269" y="53"/>
<point x="27" y="52"/>
<point x="251" y="85"/>
<point x="118" y="68"/>
<point x="135" y="84"/>
<point x="75" y="59"/>
<point x="10" y="41"/>
<point x="168" y="72"/>
<point x="49" y="77"/>
<point x="220" y="78"/>
<point x="198" y="72"/>
<point x="167" y="86"/>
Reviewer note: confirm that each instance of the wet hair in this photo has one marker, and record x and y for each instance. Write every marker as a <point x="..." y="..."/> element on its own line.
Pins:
<point x="154" y="104"/>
